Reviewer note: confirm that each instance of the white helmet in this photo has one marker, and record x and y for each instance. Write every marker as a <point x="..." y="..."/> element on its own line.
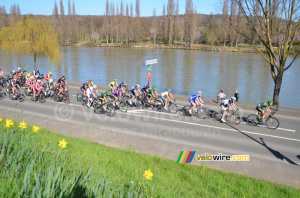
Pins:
<point x="31" y="77"/>
<point x="19" y="68"/>
<point x="137" y="85"/>
<point x="12" y="71"/>
<point x="95" y="87"/>
<point x="233" y="98"/>
<point x="199" y="92"/>
<point x="39" y="80"/>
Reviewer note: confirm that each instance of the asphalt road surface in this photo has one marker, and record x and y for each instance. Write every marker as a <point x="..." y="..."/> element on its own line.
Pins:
<point x="274" y="154"/>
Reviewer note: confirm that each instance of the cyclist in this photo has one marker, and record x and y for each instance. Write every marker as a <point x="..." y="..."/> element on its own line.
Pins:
<point x="29" y="82"/>
<point x="195" y="101"/>
<point x="48" y="76"/>
<point x="83" y="88"/>
<point x="90" y="92"/>
<point x="152" y="93"/>
<point x="265" y="105"/>
<point x="135" y="91"/>
<point x="145" y="90"/>
<point x="166" y="97"/>
<point x="37" y="87"/>
<point x="15" y="85"/>
<point x="36" y="73"/>
<point x="102" y="96"/>
<point x="113" y="83"/>
<point x="1" y="73"/>
<point x="227" y="104"/>
<point x="90" y="82"/>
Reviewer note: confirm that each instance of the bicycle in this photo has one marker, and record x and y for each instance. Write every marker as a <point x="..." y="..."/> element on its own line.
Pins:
<point x="171" y="107"/>
<point x="107" y="108"/>
<point x="232" y="116"/>
<point x="2" y="96"/>
<point x="270" y="121"/>
<point x="17" y="96"/>
<point x="200" y="112"/>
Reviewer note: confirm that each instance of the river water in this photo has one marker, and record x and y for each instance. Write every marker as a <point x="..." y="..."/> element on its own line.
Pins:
<point x="184" y="71"/>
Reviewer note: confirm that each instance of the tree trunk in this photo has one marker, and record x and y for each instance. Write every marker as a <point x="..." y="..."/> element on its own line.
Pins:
<point x="278" y="82"/>
<point x="34" y="58"/>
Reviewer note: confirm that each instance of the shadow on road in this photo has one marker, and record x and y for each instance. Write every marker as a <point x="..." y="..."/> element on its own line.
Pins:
<point x="274" y="152"/>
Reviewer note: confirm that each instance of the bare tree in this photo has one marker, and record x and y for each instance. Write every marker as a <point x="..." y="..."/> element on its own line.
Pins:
<point x="190" y="22"/>
<point x="233" y="21"/>
<point x="15" y="14"/>
<point x="137" y="21"/>
<point x="277" y="20"/>
<point x="3" y="17"/>
<point x="154" y="26"/>
<point x="165" y="25"/>
<point x="170" y="11"/>
<point x="176" y="24"/>
<point x="225" y="18"/>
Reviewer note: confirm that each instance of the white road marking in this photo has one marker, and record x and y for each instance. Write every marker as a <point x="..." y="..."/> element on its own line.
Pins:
<point x="283" y="129"/>
<point x="190" y="123"/>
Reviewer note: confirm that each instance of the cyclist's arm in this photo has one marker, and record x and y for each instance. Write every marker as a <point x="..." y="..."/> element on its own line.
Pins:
<point x="172" y="96"/>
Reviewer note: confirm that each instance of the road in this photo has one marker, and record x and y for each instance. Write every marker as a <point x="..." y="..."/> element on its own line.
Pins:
<point x="274" y="154"/>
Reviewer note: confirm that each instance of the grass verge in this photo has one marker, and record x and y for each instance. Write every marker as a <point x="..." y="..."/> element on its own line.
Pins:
<point x="32" y="164"/>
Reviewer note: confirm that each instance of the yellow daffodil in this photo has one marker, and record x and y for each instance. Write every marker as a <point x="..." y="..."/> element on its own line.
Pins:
<point x="35" y="129"/>
<point x="22" y="125"/>
<point x="63" y="144"/>
<point x="148" y="174"/>
<point x="9" y="123"/>
<point x="0" y="119"/>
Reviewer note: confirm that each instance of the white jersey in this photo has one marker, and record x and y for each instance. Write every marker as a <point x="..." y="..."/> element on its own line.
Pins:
<point x="222" y="96"/>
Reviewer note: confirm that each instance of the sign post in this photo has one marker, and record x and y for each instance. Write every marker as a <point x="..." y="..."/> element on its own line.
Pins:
<point x="148" y="63"/>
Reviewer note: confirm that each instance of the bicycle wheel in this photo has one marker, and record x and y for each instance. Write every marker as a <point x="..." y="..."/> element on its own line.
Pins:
<point x="202" y="113"/>
<point x="110" y="111"/>
<point x="157" y="105"/>
<point x="79" y="96"/>
<point x="140" y="104"/>
<point x="272" y="122"/>
<point x="22" y="98"/>
<point x="123" y="107"/>
<point x="185" y="110"/>
<point x="98" y="108"/>
<point x="173" y="108"/>
<point x="235" y="119"/>
<point x="252" y="120"/>
<point x="2" y="96"/>
<point x="217" y="116"/>
<point x="42" y="98"/>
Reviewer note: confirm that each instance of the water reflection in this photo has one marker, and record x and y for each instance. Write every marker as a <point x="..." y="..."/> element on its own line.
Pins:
<point x="184" y="71"/>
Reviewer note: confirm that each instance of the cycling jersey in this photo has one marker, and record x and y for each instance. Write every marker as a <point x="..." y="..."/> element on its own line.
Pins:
<point x="164" y="94"/>
<point x="263" y="105"/>
<point x="29" y="81"/>
<point x="144" y="90"/>
<point x="83" y="87"/>
<point x="193" y="98"/>
<point x="104" y="94"/>
<point x="112" y="84"/>
<point x="226" y="102"/>
<point x="37" y="86"/>
<point x="48" y="77"/>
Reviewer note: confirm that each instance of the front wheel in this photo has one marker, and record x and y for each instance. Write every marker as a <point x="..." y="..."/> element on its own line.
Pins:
<point x="217" y="116"/>
<point x="157" y="105"/>
<point x="185" y="110"/>
<point x="272" y="123"/>
<point x="98" y="108"/>
<point x="173" y="108"/>
<point x="252" y="120"/>
<point x="110" y="111"/>
<point x="123" y="107"/>
<point x="79" y="96"/>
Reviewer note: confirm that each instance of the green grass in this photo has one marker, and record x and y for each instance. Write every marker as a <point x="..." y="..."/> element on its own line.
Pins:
<point x="32" y="164"/>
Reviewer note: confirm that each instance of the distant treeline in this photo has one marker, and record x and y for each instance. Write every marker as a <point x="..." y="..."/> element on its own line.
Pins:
<point x="123" y="24"/>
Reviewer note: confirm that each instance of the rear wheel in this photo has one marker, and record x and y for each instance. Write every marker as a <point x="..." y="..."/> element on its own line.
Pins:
<point x="173" y="108"/>
<point x="272" y="123"/>
<point x="140" y="104"/>
<point x="185" y="110"/>
<point x="98" y="108"/>
<point x="2" y="96"/>
<point x="252" y="120"/>
<point x="123" y="107"/>
<point x="157" y="105"/>
<point x="217" y="116"/>
<point x="42" y="98"/>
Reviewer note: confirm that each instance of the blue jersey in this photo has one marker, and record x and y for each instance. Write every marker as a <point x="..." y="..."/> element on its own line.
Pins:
<point x="193" y="98"/>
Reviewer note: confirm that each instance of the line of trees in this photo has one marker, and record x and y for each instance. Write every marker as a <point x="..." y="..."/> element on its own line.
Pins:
<point x="122" y="23"/>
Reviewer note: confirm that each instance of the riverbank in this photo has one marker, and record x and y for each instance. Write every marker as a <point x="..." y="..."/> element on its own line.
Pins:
<point x="200" y="47"/>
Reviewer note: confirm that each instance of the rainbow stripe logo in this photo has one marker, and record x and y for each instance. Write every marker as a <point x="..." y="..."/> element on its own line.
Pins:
<point x="188" y="159"/>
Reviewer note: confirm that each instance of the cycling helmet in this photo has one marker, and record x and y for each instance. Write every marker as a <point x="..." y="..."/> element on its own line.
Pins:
<point x="137" y="85"/>
<point x="63" y="77"/>
<point x="50" y="73"/>
<point x="12" y="71"/>
<point x="233" y="98"/>
<point x="95" y="87"/>
<point x="199" y="92"/>
<point x="31" y="77"/>
<point x="270" y="101"/>
<point x="115" y="80"/>
<point x="154" y="87"/>
<point x="19" y="68"/>
<point x="169" y="90"/>
<point x="39" y="81"/>
<point x="90" y="79"/>
<point x="122" y="82"/>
